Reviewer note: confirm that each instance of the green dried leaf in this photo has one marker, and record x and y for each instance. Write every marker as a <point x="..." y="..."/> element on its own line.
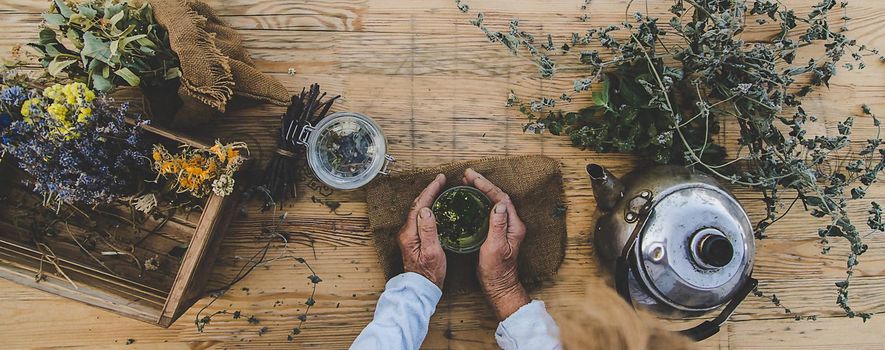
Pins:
<point x="55" y="19"/>
<point x="47" y="36"/>
<point x="128" y="76"/>
<point x="135" y="38"/>
<point x="58" y="64"/>
<point x="101" y="83"/>
<point x="172" y="73"/>
<point x="87" y="11"/>
<point x="93" y="47"/>
<point x="601" y="96"/>
<point x="113" y="10"/>
<point x="63" y="8"/>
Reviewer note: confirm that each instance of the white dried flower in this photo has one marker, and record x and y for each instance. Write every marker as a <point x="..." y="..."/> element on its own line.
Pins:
<point x="665" y="138"/>
<point x="223" y="186"/>
<point x="742" y="88"/>
<point x="146" y="203"/>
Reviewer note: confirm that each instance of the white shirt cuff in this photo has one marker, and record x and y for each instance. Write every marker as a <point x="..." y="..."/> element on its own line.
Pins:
<point x="421" y="285"/>
<point x="530" y="327"/>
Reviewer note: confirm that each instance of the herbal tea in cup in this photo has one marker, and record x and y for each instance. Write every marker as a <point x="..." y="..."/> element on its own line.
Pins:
<point x="462" y="218"/>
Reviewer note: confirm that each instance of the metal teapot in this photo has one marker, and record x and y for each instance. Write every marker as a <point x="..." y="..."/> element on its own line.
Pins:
<point x="675" y="242"/>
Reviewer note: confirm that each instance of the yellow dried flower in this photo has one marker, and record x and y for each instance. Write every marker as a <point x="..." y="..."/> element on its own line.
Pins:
<point x="199" y="171"/>
<point x="232" y="154"/>
<point x="218" y="151"/>
<point x="57" y="111"/>
<point x="83" y="116"/>
<point x="54" y="92"/>
<point x="26" y="108"/>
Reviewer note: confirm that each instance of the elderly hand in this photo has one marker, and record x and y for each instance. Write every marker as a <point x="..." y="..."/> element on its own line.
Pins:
<point x="418" y="240"/>
<point x="497" y="270"/>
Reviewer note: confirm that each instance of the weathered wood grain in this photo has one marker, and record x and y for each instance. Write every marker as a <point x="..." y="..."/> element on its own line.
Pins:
<point x="437" y="88"/>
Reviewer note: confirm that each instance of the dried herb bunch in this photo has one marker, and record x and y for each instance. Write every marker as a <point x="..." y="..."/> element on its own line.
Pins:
<point x="200" y="171"/>
<point x="106" y="43"/>
<point x="664" y="88"/>
<point x="77" y="146"/>
<point x="282" y="172"/>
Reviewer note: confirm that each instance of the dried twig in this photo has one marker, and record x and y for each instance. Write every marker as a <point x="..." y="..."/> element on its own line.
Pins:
<point x="68" y="230"/>
<point x="52" y="259"/>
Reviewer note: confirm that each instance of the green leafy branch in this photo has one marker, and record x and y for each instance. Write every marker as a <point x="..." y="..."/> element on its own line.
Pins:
<point x="106" y="44"/>
<point x="665" y="100"/>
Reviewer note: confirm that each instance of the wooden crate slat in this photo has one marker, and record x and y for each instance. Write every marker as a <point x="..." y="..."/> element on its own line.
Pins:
<point x="198" y="261"/>
<point x="158" y="297"/>
<point x="104" y="295"/>
<point x="124" y="267"/>
<point x="24" y="254"/>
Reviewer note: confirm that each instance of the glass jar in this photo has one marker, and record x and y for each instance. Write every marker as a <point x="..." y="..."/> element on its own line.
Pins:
<point x="346" y="150"/>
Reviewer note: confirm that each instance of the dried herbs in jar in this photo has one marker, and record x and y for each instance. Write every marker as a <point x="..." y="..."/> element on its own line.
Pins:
<point x="346" y="150"/>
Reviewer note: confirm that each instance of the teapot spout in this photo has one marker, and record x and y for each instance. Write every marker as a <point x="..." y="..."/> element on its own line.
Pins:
<point x="606" y="187"/>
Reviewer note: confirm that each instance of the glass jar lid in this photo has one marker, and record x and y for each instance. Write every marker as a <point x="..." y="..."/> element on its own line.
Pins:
<point x="346" y="150"/>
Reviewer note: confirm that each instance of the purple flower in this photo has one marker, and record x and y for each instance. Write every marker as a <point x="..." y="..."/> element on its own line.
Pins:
<point x="5" y="122"/>
<point x="103" y="163"/>
<point x="14" y="95"/>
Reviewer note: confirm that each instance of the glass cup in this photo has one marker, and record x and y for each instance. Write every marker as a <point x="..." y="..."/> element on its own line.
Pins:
<point x="462" y="217"/>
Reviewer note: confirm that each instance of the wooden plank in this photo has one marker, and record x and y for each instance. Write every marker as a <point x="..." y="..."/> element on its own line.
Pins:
<point x="437" y="88"/>
<point x="200" y="256"/>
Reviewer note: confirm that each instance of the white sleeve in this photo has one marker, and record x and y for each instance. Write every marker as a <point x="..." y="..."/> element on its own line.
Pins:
<point x="402" y="314"/>
<point x="530" y="327"/>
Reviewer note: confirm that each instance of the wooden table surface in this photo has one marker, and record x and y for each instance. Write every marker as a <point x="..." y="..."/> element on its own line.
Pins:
<point x="437" y="88"/>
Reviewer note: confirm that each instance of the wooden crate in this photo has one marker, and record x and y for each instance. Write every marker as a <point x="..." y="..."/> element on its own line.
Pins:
<point x="112" y="282"/>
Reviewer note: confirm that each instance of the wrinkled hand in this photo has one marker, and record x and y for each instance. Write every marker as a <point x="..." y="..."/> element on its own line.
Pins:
<point x="497" y="270"/>
<point x="418" y="239"/>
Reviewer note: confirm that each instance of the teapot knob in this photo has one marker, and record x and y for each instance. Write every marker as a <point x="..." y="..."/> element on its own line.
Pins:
<point x="714" y="251"/>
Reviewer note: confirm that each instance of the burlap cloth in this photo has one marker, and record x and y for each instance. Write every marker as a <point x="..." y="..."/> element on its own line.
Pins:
<point x="215" y="66"/>
<point x="534" y="184"/>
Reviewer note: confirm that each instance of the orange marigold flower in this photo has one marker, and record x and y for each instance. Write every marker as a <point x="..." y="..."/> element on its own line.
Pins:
<point x="232" y="154"/>
<point x="169" y="168"/>
<point x="218" y="151"/>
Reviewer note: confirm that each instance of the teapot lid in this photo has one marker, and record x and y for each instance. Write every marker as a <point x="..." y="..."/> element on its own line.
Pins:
<point x="696" y="247"/>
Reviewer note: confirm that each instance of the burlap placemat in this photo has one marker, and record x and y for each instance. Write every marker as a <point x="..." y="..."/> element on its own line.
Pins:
<point x="534" y="184"/>
<point x="214" y="64"/>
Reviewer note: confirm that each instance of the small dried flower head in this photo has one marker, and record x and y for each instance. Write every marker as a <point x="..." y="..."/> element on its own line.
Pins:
<point x="665" y="138"/>
<point x="742" y="88"/>
<point x="146" y="203"/>
<point x="223" y="186"/>
<point x="152" y="264"/>
<point x="535" y="128"/>
<point x="13" y="96"/>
